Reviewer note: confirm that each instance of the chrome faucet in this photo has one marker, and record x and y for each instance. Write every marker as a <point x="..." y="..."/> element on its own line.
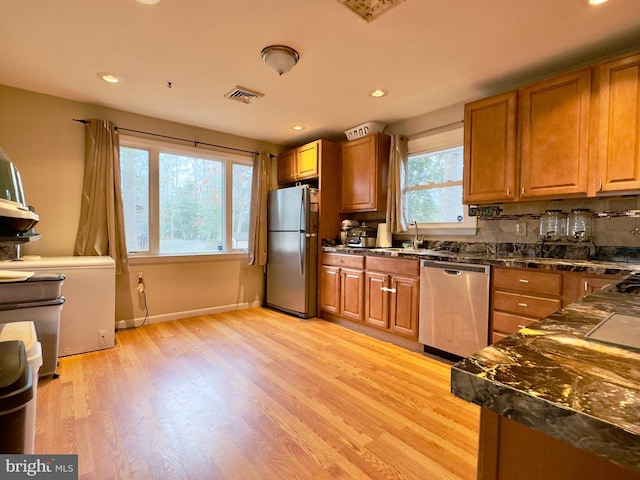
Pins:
<point x="416" y="240"/>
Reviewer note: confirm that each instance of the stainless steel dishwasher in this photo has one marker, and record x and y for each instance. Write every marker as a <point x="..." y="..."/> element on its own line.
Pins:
<point x="454" y="307"/>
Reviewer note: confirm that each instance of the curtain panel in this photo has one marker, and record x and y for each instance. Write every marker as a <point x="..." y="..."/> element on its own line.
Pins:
<point x="101" y="225"/>
<point x="258" y="222"/>
<point x="396" y="211"/>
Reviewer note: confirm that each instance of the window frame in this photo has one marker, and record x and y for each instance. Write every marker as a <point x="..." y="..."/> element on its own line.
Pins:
<point x="431" y="143"/>
<point x="155" y="147"/>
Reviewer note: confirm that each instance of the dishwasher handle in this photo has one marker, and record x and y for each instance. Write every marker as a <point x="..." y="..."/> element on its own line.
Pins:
<point x="452" y="268"/>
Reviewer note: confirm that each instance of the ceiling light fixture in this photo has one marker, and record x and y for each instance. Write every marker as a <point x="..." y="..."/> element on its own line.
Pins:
<point x="148" y="2"/>
<point x="280" y="58"/>
<point x="597" y="2"/>
<point x="378" y="92"/>
<point x="297" y="128"/>
<point x="109" y="77"/>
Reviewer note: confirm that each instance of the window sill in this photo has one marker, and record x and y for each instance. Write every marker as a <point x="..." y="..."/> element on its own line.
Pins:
<point x="186" y="258"/>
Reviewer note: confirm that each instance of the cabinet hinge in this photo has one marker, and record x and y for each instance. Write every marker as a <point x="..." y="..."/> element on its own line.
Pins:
<point x="522" y="191"/>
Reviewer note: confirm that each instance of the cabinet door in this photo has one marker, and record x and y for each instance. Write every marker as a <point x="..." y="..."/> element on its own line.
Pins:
<point x="554" y="122"/>
<point x="365" y="164"/>
<point x="490" y="149"/>
<point x="405" y="305"/>
<point x="307" y="163"/>
<point x="330" y="289"/>
<point x="287" y="167"/>
<point x="376" y="297"/>
<point x="352" y="293"/>
<point x="619" y="125"/>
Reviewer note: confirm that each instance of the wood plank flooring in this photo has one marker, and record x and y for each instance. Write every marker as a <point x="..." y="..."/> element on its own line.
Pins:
<point x="256" y="394"/>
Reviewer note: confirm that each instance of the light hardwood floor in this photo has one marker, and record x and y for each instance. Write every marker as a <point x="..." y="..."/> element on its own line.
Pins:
<point x="255" y="394"/>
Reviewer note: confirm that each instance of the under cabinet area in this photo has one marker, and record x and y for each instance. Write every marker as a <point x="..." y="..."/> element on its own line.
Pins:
<point x="379" y="292"/>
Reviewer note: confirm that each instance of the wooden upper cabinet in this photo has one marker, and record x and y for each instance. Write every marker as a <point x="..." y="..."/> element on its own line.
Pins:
<point x="490" y="149"/>
<point x="299" y="163"/>
<point x="618" y="156"/>
<point x="554" y="135"/>
<point x="365" y="164"/>
<point x="307" y="166"/>
<point x="287" y="167"/>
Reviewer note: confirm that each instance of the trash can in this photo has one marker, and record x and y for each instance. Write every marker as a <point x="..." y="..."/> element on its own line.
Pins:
<point x="45" y="315"/>
<point x="26" y="332"/>
<point x="16" y="389"/>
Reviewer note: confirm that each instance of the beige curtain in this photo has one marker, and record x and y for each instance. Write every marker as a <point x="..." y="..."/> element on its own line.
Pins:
<point x="101" y="228"/>
<point x="396" y="211"/>
<point x="261" y="182"/>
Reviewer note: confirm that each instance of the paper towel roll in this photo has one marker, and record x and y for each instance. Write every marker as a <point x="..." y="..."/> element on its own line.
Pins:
<point x="383" y="239"/>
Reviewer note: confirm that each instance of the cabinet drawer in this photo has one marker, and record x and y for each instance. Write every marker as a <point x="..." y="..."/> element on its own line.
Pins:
<point x="535" y="307"/>
<point x="395" y="266"/>
<point x="343" y="260"/>
<point x="549" y="283"/>
<point x="507" y="323"/>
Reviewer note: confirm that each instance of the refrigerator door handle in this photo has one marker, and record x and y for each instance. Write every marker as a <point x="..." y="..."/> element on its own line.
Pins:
<point x="301" y="238"/>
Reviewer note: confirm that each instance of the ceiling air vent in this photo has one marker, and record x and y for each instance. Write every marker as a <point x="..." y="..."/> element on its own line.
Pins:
<point x="243" y="95"/>
<point x="369" y="9"/>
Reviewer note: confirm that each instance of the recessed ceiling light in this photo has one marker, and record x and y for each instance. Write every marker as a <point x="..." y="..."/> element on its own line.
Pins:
<point x="109" y="77"/>
<point x="148" y="2"/>
<point x="597" y="2"/>
<point x="297" y="128"/>
<point x="378" y="92"/>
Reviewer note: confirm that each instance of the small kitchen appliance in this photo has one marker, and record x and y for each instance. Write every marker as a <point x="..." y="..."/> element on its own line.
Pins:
<point x="15" y="216"/>
<point x="363" y="236"/>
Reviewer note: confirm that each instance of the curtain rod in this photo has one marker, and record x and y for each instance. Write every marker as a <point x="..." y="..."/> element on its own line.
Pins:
<point x="195" y="142"/>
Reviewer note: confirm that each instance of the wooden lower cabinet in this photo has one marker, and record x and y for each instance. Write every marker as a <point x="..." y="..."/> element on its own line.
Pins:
<point x="341" y="284"/>
<point x="351" y="292"/>
<point x="384" y="293"/>
<point x="520" y="296"/>
<point x="510" y="450"/>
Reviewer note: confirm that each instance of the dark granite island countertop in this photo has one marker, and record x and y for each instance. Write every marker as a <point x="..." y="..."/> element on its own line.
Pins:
<point x="552" y="379"/>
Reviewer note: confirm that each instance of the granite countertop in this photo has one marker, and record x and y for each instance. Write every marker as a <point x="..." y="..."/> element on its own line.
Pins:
<point x="549" y="377"/>
<point x="498" y="259"/>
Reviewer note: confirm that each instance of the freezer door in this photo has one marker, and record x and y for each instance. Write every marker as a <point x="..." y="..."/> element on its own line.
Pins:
<point x="288" y="209"/>
<point x="287" y="272"/>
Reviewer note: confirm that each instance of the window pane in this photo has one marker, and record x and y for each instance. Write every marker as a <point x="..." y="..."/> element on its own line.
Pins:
<point x="435" y="167"/>
<point x="241" y="205"/>
<point x="134" y="178"/>
<point x="191" y="204"/>
<point x="437" y="205"/>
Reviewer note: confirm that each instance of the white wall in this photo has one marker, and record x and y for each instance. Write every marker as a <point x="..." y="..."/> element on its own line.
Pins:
<point x="38" y="134"/>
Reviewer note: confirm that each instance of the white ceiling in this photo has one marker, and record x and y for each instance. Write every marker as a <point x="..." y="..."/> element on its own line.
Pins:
<point x="429" y="54"/>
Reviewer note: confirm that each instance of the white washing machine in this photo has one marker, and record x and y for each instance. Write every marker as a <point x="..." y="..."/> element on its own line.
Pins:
<point x="87" y="321"/>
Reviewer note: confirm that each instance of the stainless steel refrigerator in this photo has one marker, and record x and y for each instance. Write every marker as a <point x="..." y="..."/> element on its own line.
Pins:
<point x="292" y="250"/>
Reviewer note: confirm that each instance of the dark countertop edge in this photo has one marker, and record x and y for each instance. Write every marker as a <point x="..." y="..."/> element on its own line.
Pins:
<point x="558" y="264"/>
<point x="580" y="430"/>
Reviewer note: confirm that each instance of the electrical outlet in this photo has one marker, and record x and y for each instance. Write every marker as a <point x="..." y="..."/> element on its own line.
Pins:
<point x="521" y="229"/>
<point x="102" y="338"/>
<point x="140" y="277"/>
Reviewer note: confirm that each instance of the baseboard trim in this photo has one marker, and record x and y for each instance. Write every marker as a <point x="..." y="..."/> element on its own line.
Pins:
<point x="136" y="322"/>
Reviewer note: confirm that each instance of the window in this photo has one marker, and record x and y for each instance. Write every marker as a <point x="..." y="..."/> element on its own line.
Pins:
<point x="433" y="185"/>
<point x="199" y="200"/>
